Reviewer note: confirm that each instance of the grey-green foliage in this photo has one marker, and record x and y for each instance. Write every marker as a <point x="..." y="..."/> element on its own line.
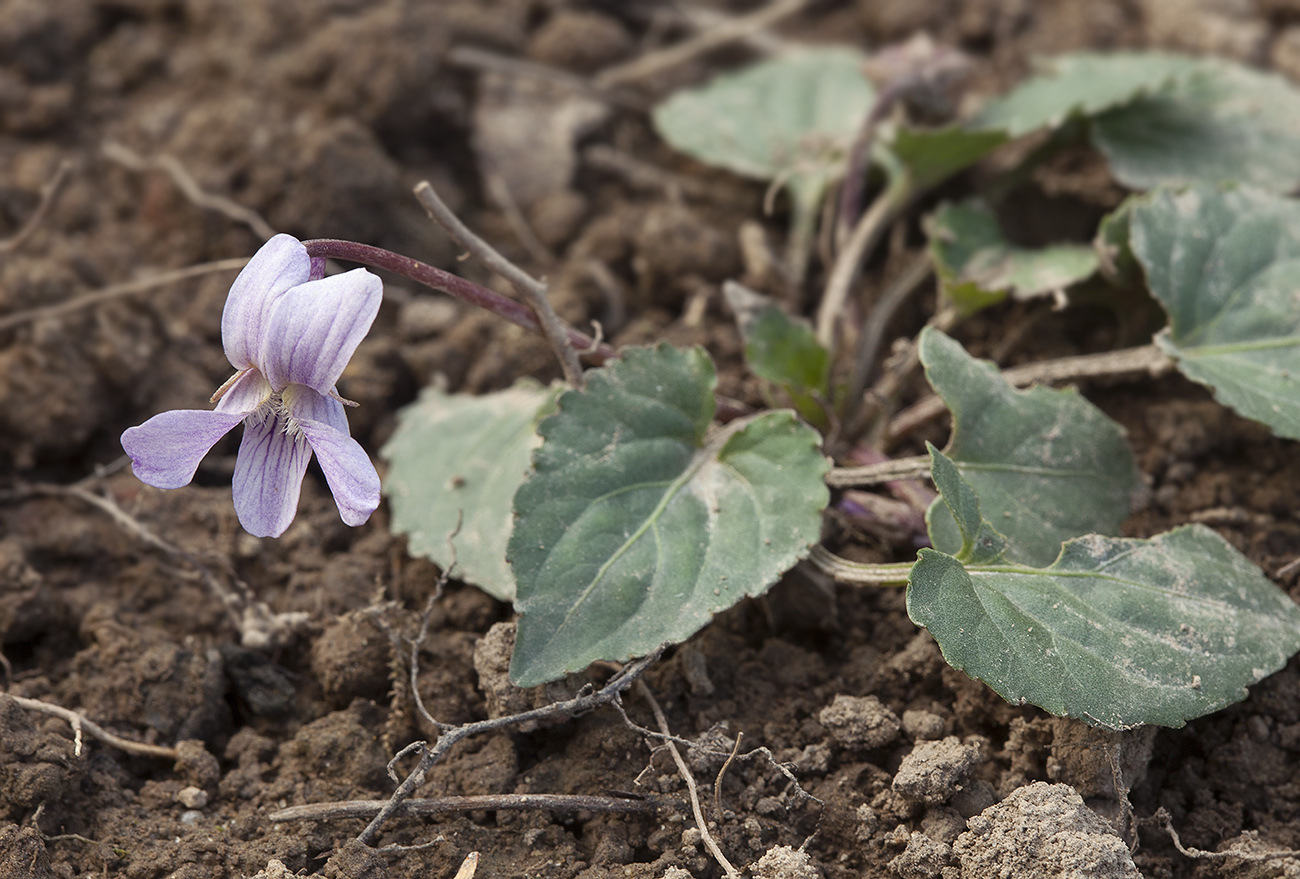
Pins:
<point x="1047" y="464"/>
<point x="455" y="463"/>
<point x="1160" y="118"/>
<point x="1225" y="264"/>
<point x="1116" y="631"/>
<point x="977" y="266"/>
<point x="637" y="524"/>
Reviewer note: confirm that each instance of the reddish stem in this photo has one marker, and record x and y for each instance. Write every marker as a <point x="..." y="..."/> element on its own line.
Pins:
<point x="452" y="285"/>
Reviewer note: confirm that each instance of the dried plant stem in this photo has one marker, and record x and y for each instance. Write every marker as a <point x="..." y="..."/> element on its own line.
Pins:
<point x="1163" y="819"/>
<point x="49" y="192"/>
<point x="875" y="474"/>
<point x="584" y="701"/>
<point x="81" y="723"/>
<point x="873" y="332"/>
<point x="856" y="573"/>
<point x="440" y="805"/>
<point x="685" y="772"/>
<point x="453" y="285"/>
<point x="116" y="291"/>
<point x="189" y="187"/>
<point x="656" y="62"/>
<point x="1147" y="359"/>
<point x="535" y="291"/>
<point x="845" y="270"/>
<point x="722" y="773"/>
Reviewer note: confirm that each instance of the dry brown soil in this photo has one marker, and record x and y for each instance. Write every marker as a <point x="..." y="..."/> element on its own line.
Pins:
<point x="320" y="115"/>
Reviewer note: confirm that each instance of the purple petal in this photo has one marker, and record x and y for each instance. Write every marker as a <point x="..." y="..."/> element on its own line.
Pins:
<point x="351" y="477"/>
<point x="268" y="476"/>
<point x="245" y="394"/>
<point x="280" y="264"/>
<point x="314" y="329"/>
<point x="166" y="450"/>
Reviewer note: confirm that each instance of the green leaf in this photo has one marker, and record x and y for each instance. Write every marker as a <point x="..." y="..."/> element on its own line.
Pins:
<point x="457" y="458"/>
<point x="1223" y="123"/>
<point x="980" y="542"/>
<point x="637" y="526"/>
<point x="786" y="352"/>
<point x="1047" y="464"/>
<point x="790" y="119"/>
<point x="1117" y="632"/>
<point x="1082" y="84"/>
<point x="933" y="155"/>
<point x="791" y="116"/>
<point x="1114" y="254"/>
<point x="1225" y="264"/>
<point x="978" y="267"/>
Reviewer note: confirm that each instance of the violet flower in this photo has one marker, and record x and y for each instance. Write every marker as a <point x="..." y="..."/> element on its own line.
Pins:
<point x="289" y="335"/>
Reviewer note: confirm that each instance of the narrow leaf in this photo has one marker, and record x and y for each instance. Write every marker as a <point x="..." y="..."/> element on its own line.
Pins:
<point x="1046" y="464"/>
<point x="457" y="459"/>
<point x="636" y="527"/>
<point x="1117" y="632"/>
<point x="1225" y="264"/>
<point x="980" y="541"/>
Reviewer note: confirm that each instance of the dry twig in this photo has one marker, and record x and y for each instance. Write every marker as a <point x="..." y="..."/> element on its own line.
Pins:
<point x="49" y="192"/>
<point x="586" y="700"/>
<point x="189" y="187"/>
<point x="116" y="291"/>
<point x="481" y="802"/>
<point x="535" y="291"/>
<point x="82" y="723"/>
<point x="685" y="772"/>
<point x="715" y="37"/>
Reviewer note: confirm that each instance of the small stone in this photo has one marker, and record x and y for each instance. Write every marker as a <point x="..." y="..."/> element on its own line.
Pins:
<point x="784" y="862"/>
<point x="924" y="858"/>
<point x="934" y="771"/>
<point x="192" y="797"/>
<point x="1042" y="830"/>
<point x="860" y="722"/>
<point x="925" y="725"/>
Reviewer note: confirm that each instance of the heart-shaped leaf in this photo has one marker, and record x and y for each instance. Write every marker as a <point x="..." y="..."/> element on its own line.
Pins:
<point x="637" y="525"/>
<point x="1225" y="264"/>
<point x="1047" y="464"/>
<point x="1117" y="632"/>
<point x="456" y="460"/>
<point x="791" y="116"/>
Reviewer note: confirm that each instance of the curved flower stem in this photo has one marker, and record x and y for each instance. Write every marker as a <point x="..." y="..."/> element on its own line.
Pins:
<point x="859" y="574"/>
<point x="452" y="285"/>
